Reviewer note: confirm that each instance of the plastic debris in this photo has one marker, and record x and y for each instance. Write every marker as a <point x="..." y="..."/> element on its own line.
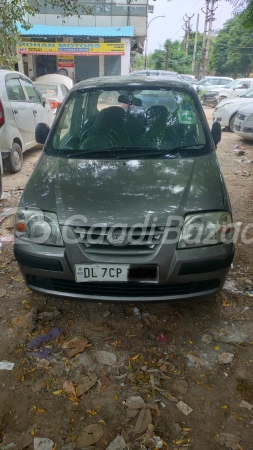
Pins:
<point x="43" y="444"/>
<point x="250" y="293"/>
<point x="43" y="354"/>
<point x="118" y="443"/>
<point x="184" y="408"/>
<point x="7" y="238"/>
<point x="229" y="440"/>
<point x="54" y="333"/>
<point x="246" y="405"/>
<point x="90" y="435"/>
<point x="226" y="358"/>
<point x="162" y="338"/>
<point x="5" y="195"/>
<point x="5" y="365"/>
<point x="195" y="359"/>
<point x="106" y="358"/>
<point x="234" y="338"/>
<point x="2" y="292"/>
<point x="137" y="312"/>
<point x="75" y="346"/>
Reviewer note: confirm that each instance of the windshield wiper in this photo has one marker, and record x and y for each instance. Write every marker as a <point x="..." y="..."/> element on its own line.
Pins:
<point x="130" y="152"/>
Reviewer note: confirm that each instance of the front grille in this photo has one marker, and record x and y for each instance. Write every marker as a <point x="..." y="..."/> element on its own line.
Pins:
<point x="240" y="116"/>
<point x="118" y="290"/>
<point x="248" y="130"/>
<point x="105" y="241"/>
<point x="237" y="127"/>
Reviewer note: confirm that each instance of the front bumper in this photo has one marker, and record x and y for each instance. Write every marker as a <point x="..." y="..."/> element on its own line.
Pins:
<point x="190" y="273"/>
<point x="222" y="118"/>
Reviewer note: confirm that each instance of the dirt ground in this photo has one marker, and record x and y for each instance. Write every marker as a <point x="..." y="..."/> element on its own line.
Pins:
<point x="165" y="353"/>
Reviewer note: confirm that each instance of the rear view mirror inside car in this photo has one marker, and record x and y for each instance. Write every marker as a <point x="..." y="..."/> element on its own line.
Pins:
<point x="129" y="99"/>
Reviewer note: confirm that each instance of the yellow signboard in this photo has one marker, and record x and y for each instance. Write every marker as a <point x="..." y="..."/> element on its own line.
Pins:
<point x="66" y="61"/>
<point x="78" y="49"/>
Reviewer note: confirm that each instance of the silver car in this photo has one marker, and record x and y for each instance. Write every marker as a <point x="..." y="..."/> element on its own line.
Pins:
<point x="127" y="201"/>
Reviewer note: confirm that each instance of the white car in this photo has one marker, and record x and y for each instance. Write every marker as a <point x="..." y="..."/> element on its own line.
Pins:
<point x="243" y="125"/>
<point x="209" y="82"/>
<point x="21" y="109"/>
<point x="54" y="88"/>
<point x="238" y="88"/>
<point x="226" y="110"/>
<point x="1" y="174"/>
<point x="212" y="96"/>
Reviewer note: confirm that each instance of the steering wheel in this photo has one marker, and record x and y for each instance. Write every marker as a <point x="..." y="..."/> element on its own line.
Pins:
<point x="105" y="132"/>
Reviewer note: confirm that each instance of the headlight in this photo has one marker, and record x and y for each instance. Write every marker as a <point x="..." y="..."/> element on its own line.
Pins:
<point x="40" y="227"/>
<point x="250" y="117"/>
<point x="223" y="107"/>
<point x="205" y="229"/>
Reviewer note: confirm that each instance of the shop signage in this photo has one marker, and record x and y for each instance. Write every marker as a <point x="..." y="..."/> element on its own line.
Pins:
<point x="77" y="49"/>
<point x="66" y="61"/>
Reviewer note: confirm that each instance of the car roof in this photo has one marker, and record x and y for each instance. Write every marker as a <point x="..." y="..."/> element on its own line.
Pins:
<point x="119" y="82"/>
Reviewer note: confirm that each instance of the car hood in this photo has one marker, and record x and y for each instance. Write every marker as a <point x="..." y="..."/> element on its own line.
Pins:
<point x="237" y="101"/>
<point x="247" y="110"/>
<point x="112" y="192"/>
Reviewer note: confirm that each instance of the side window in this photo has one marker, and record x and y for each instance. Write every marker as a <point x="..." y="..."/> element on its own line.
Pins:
<point x="64" y="89"/>
<point x="31" y="92"/>
<point x="15" y="91"/>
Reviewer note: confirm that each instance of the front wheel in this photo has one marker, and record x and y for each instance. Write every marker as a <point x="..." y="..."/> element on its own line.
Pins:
<point x="14" y="161"/>
<point x="232" y="122"/>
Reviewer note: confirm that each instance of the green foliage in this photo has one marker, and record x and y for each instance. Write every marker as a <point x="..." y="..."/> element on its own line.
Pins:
<point x="15" y="11"/>
<point x="229" y="53"/>
<point x="178" y="61"/>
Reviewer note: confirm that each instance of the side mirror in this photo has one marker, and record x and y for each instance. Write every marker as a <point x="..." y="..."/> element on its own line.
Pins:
<point x="216" y="132"/>
<point x="41" y="133"/>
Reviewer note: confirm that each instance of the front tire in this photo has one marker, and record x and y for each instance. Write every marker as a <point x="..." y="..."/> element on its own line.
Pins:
<point x="232" y="122"/>
<point x="14" y="161"/>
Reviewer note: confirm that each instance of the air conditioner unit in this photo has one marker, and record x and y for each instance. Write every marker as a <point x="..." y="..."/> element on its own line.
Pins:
<point x="150" y="9"/>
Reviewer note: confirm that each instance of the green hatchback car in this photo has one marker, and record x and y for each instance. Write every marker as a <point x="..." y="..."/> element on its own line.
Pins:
<point x="127" y="201"/>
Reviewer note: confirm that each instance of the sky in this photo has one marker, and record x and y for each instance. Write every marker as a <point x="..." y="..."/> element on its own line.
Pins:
<point x="170" y="27"/>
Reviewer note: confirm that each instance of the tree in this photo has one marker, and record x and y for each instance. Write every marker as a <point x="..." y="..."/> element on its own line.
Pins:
<point x="231" y="52"/>
<point x="13" y="12"/>
<point x="245" y="9"/>
<point x="178" y="60"/>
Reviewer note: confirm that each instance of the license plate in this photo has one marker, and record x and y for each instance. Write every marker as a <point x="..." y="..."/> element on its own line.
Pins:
<point x="101" y="272"/>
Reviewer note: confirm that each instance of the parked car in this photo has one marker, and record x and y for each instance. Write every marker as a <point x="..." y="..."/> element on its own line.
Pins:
<point x="21" y="109"/>
<point x="240" y="87"/>
<point x="243" y="124"/>
<point x="207" y="82"/>
<point x="189" y="78"/>
<point x="54" y="88"/>
<point x="226" y="110"/>
<point x="152" y="72"/>
<point x="211" y="96"/>
<point x="126" y="204"/>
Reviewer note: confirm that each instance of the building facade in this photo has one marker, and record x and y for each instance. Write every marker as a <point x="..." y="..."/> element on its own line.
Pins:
<point x="102" y="42"/>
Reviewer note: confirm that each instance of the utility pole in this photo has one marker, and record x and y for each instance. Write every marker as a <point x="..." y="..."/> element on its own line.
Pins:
<point x="211" y="20"/>
<point x="167" y="55"/>
<point x="187" y="28"/>
<point x="202" y="61"/>
<point x="195" y="45"/>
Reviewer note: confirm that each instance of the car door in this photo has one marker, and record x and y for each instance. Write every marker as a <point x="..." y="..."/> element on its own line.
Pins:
<point x="21" y="108"/>
<point x="41" y="109"/>
<point x="240" y="87"/>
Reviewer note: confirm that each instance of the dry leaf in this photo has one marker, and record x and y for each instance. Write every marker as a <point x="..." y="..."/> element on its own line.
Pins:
<point x="92" y="412"/>
<point x="86" y="384"/>
<point x="135" y="402"/>
<point x="116" y="397"/>
<point x="75" y="346"/>
<point x="135" y="357"/>
<point x="90" y="435"/>
<point x="40" y="410"/>
<point x="143" y="421"/>
<point x="103" y="388"/>
<point x="58" y="392"/>
<point x="69" y="388"/>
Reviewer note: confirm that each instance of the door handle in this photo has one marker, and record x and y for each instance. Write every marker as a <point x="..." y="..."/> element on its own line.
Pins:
<point x="35" y="112"/>
<point x="15" y="111"/>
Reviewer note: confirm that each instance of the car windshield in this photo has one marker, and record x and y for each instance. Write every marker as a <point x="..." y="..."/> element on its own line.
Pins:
<point x="247" y="94"/>
<point x="127" y="122"/>
<point x="48" y="89"/>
